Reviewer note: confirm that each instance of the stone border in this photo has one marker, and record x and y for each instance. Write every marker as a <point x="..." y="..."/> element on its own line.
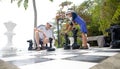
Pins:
<point x="6" y="65"/>
<point x="100" y="40"/>
<point x="110" y="63"/>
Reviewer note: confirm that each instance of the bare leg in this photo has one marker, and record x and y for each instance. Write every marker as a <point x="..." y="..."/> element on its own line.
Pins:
<point x="84" y="40"/>
<point x="45" y="41"/>
<point x="37" y="38"/>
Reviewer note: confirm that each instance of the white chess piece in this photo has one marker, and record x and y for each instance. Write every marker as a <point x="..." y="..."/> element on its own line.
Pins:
<point x="71" y="40"/>
<point x="88" y="45"/>
<point x="9" y="49"/>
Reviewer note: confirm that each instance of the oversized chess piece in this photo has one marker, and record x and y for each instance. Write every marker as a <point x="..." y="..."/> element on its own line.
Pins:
<point x="115" y="36"/>
<point x="9" y="49"/>
<point x="50" y="48"/>
<point x="66" y="45"/>
<point x="30" y="44"/>
<point x="75" y="45"/>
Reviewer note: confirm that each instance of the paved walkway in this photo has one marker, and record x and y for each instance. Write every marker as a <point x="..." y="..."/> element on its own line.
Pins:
<point x="60" y="59"/>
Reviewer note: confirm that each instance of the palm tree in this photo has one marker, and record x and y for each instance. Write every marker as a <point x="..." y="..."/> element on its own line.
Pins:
<point x="65" y="3"/>
<point x="35" y="13"/>
<point x="35" y="20"/>
<point x="34" y="9"/>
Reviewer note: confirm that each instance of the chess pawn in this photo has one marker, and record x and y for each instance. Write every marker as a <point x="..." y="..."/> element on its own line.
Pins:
<point x="66" y="45"/>
<point x="50" y="48"/>
<point x="75" y="45"/>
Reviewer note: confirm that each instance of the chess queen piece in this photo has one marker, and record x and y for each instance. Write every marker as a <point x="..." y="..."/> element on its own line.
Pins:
<point x="9" y="49"/>
<point x="75" y="45"/>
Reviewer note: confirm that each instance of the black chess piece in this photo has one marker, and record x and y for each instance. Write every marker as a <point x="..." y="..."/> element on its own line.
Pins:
<point x="50" y="48"/>
<point x="30" y="44"/>
<point x="75" y="45"/>
<point x="115" y="36"/>
<point x="66" y="45"/>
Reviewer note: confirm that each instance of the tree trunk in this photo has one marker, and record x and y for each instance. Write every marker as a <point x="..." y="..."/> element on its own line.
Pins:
<point x="35" y="20"/>
<point x="35" y="13"/>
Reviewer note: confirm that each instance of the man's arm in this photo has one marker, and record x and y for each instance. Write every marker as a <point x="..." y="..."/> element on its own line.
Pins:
<point x="40" y="31"/>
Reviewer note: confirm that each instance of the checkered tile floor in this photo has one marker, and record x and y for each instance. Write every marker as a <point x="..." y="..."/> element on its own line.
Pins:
<point x="60" y="59"/>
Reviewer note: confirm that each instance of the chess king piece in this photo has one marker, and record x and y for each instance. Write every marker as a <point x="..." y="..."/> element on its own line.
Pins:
<point x="114" y="30"/>
<point x="75" y="45"/>
<point x="9" y="49"/>
<point x="50" y="48"/>
<point x="30" y="44"/>
<point x="66" y="45"/>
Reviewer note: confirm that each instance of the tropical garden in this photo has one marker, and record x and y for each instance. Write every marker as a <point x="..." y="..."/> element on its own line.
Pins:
<point x="98" y="14"/>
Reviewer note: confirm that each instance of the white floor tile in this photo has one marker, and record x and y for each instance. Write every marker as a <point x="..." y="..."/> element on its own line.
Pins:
<point x="17" y="58"/>
<point x="101" y="53"/>
<point x="60" y="64"/>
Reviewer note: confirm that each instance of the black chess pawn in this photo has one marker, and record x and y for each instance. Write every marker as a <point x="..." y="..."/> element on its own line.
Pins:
<point x="30" y="44"/>
<point x="50" y="48"/>
<point x="75" y="45"/>
<point x="66" y="45"/>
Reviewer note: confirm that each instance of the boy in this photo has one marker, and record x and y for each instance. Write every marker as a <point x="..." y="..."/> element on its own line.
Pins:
<point x="73" y="17"/>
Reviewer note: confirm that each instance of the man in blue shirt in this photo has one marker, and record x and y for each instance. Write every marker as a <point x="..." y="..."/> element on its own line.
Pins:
<point x="74" y="18"/>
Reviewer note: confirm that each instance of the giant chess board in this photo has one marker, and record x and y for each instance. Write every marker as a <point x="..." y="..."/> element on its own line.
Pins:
<point x="60" y="59"/>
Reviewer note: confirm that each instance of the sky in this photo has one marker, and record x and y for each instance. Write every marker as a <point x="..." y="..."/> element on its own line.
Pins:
<point x="24" y="19"/>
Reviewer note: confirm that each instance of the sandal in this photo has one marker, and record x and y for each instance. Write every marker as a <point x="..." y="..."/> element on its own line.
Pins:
<point x="83" y="47"/>
<point x="38" y="49"/>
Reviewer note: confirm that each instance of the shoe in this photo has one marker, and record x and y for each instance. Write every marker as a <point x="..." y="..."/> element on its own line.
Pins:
<point x="43" y="48"/>
<point x="46" y="47"/>
<point x="38" y="49"/>
<point x="84" y="47"/>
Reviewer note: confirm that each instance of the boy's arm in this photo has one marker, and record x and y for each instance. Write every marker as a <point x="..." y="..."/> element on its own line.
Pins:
<point x="70" y="27"/>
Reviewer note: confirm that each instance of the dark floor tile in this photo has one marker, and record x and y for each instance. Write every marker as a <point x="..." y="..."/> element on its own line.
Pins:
<point x="29" y="61"/>
<point x="108" y="51"/>
<point x="87" y="58"/>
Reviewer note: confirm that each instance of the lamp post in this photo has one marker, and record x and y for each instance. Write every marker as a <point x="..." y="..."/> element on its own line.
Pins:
<point x="58" y="32"/>
<point x="59" y="19"/>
